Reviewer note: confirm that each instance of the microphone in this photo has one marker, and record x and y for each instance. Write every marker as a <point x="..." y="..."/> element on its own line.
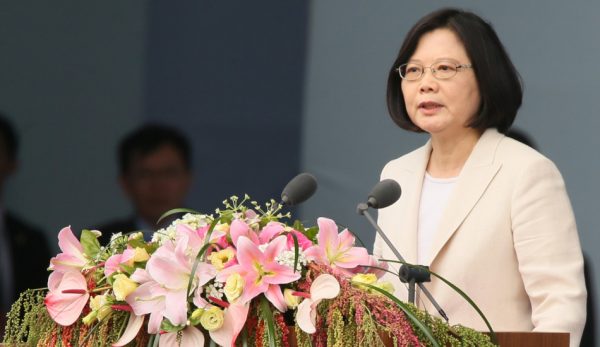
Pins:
<point x="384" y="194"/>
<point x="299" y="189"/>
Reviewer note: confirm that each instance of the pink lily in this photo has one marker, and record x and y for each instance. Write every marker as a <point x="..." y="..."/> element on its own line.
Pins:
<point x="323" y="287"/>
<point x="336" y="250"/>
<point x="234" y="320"/>
<point x="269" y="232"/>
<point x="114" y="262"/>
<point x="72" y="256"/>
<point x="149" y="298"/>
<point x="261" y="273"/>
<point x="165" y="295"/>
<point x="67" y="296"/>
<point x="240" y="228"/>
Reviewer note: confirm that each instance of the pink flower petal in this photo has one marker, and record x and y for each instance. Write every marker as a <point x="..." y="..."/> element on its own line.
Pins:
<point x="65" y="308"/>
<point x="328" y="233"/>
<point x="275" y="296"/>
<point x="324" y="287"/>
<point x="275" y="248"/>
<point x="271" y="230"/>
<point x="167" y="272"/>
<point x="304" y="318"/>
<point x="147" y="298"/>
<point x="353" y="257"/>
<point x="176" y="307"/>
<point x="235" y="318"/>
<point x="133" y="327"/>
<point x="248" y="252"/>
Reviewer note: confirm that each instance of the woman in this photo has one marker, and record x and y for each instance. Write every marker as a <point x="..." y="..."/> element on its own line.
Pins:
<point x="485" y="211"/>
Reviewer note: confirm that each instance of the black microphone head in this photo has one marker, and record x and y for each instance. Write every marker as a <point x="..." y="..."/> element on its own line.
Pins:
<point x="384" y="194"/>
<point x="299" y="189"/>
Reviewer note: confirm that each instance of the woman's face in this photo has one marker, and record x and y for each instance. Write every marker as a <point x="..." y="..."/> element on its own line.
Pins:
<point x="441" y="107"/>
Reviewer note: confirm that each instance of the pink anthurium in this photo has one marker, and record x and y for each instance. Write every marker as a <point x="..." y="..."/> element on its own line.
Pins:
<point x="336" y="250"/>
<point x="67" y="296"/>
<point x="323" y="287"/>
<point x="72" y="256"/>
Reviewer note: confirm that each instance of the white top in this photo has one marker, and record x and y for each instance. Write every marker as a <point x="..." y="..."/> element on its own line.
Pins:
<point x="434" y="198"/>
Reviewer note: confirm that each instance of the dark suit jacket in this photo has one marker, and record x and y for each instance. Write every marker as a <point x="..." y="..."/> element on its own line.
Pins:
<point x="30" y="254"/>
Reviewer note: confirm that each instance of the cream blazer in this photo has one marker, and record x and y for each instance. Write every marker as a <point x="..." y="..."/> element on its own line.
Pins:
<point x="507" y="238"/>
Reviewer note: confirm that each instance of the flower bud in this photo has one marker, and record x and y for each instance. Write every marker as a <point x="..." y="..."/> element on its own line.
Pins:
<point x="292" y="301"/>
<point x="196" y="315"/>
<point x="89" y="318"/>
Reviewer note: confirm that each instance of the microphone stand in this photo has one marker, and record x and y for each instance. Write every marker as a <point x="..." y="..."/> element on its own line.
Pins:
<point x="362" y="210"/>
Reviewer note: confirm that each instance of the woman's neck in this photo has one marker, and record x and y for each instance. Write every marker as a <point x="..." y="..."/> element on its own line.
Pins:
<point x="449" y="154"/>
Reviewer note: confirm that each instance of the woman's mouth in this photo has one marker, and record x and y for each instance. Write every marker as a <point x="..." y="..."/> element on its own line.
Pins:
<point x="429" y="107"/>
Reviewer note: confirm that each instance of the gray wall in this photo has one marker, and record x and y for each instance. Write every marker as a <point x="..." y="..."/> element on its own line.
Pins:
<point x="348" y="136"/>
<point x="72" y="84"/>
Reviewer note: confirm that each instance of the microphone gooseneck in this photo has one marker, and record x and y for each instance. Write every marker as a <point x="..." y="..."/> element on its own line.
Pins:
<point x="384" y="194"/>
<point x="299" y="189"/>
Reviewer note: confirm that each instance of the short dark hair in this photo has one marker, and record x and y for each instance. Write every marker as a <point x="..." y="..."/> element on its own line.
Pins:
<point x="498" y="81"/>
<point x="9" y="136"/>
<point x="148" y="139"/>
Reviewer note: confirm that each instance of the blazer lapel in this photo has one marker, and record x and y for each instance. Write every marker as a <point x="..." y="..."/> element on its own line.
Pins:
<point x="415" y="169"/>
<point x="476" y="175"/>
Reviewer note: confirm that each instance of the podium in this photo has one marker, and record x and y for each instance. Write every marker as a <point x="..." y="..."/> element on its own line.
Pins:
<point x="531" y="339"/>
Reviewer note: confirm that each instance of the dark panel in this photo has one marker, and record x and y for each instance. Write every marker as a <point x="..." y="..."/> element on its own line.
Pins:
<point x="231" y="75"/>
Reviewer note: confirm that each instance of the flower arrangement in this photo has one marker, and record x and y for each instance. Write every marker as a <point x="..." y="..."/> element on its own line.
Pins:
<point x="239" y="277"/>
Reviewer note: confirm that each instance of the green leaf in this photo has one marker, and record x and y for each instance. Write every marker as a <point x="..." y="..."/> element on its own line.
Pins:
<point x="311" y="233"/>
<point x="424" y="328"/>
<point x="137" y="243"/>
<point x="175" y="211"/>
<point x="197" y="261"/>
<point x="296" y="251"/>
<point x="167" y="326"/>
<point x="90" y="243"/>
<point x="267" y="315"/>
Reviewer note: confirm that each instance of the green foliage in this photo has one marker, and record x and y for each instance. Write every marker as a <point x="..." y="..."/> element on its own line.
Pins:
<point x="90" y="243"/>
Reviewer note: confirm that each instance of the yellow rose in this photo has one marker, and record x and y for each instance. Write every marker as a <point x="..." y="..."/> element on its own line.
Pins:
<point x="212" y="319"/>
<point x="196" y="315"/>
<point x="234" y="286"/>
<point x="364" y="278"/>
<point x="220" y="258"/>
<point x="292" y="301"/>
<point x="100" y="307"/>
<point x="123" y="286"/>
<point x="140" y="255"/>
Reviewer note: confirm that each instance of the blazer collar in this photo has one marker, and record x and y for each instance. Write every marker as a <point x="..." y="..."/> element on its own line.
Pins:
<point x="476" y="175"/>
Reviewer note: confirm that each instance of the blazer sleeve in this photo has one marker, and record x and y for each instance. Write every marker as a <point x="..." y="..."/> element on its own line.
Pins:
<point x="548" y="250"/>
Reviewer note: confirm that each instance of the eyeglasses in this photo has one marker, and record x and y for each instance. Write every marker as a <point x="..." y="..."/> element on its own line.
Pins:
<point x="442" y="70"/>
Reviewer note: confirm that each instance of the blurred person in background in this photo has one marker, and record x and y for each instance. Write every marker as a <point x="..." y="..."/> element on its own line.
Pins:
<point x="155" y="175"/>
<point x="24" y="252"/>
